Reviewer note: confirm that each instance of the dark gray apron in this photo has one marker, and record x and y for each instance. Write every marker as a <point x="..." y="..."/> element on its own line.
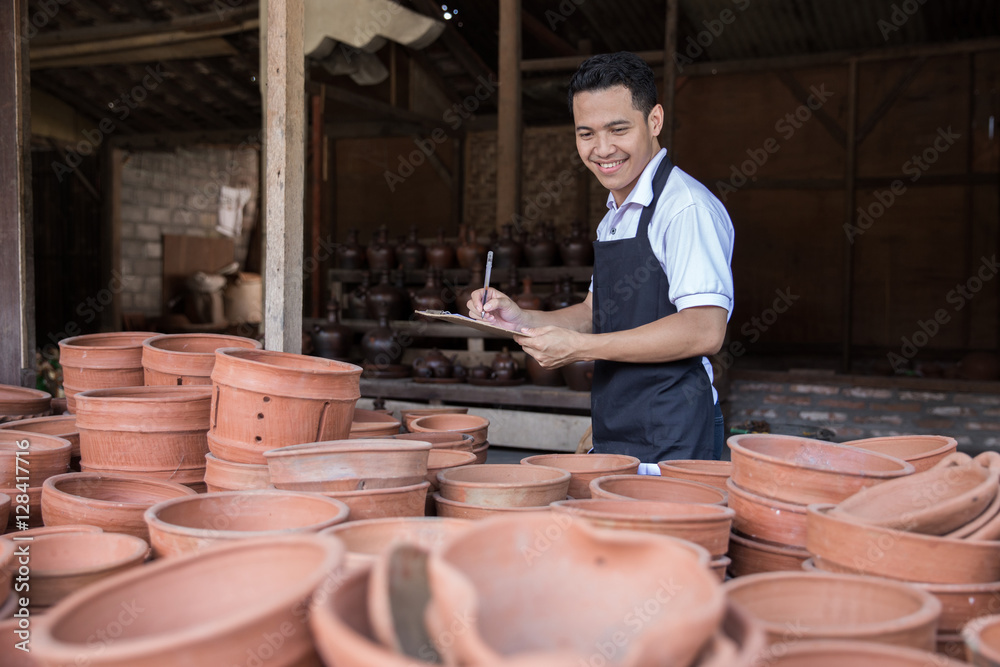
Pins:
<point x="653" y="411"/>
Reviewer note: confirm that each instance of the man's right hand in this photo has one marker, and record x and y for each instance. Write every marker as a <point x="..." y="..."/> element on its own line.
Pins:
<point x="500" y="310"/>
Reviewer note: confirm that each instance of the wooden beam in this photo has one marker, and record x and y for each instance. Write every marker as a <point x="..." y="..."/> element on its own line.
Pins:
<point x="547" y="36"/>
<point x="669" y="75"/>
<point x="370" y="129"/>
<point x="284" y="123"/>
<point x="803" y="95"/>
<point x="366" y="103"/>
<point x="170" y="140"/>
<point x="17" y="298"/>
<point x="850" y="183"/>
<point x="509" y="113"/>
<point x="890" y="98"/>
<point x="212" y="47"/>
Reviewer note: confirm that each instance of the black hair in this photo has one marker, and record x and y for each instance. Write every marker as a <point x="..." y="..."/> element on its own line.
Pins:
<point x="607" y="70"/>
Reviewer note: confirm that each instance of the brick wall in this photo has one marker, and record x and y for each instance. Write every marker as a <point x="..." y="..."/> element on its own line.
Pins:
<point x="862" y="407"/>
<point x="175" y="193"/>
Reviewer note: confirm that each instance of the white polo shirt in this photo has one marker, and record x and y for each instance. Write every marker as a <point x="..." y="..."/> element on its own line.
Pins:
<point x="691" y="236"/>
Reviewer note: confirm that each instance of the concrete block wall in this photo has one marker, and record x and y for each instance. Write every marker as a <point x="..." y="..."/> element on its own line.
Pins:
<point x="176" y="193"/>
<point x="865" y="407"/>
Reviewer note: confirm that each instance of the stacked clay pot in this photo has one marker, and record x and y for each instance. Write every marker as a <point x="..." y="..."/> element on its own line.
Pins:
<point x="586" y="467"/>
<point x="182" y="359"/>
<point x="61" y="426"/>
<point x="474" y="425"/>
<point x="27" y="460"/>
<point x="101" y="361"/>
<point x="17" y="403"/>
<point x="481" y="491"/>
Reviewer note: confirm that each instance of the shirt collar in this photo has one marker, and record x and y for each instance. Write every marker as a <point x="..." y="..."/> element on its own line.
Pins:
<point x="642" y="193"/>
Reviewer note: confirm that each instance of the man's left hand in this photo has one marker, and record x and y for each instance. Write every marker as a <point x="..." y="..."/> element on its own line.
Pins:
<point x="553" y="347"/>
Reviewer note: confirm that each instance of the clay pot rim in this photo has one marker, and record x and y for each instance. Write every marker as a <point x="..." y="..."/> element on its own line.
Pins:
<point x="409" y="488"/>
<point x="316" y="367"/>
<point x="438" y="498"/>
<point x="770" y="547"/>
<point x="88" y="340"/>
<point x="348" y="446"/>
<point x="937" y="589"/>
<point x="626" y="462"/>
<point x="928" y="611"/>
<point x="51" y="419"/>
<point x="696" y="467"/>
<point x="223" y="625"/>
<point x="905" y="467"/>
<point x="373" y="417"/>
<point x="223" y="463"/>
<point x="463" y="457"/>
<point x="558" y="476"/>
<point x="644" y="479"/>
<point x="972" y="636"/>
<point x="416" y="426"/>
<point x="948" y="444"/>
<point x="757" y="499"/>
<point x="823" y="509"/>
<point x="862" y="649"/>
<point x="22" y="394"/>
<point x="56" y="530"/>
<point x="49" y="443"/>
<point x="155" y="344"/>
<point x="139" y="552"/>
<point x="687" y="512"/>
<point x="52" y="484"/>
<point x="363" y="525"/>
<point x="139" y="395"/>
<point x="152" y="514"/>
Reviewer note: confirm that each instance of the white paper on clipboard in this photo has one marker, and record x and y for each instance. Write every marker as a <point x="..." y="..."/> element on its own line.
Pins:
<point x="455" y="318"/>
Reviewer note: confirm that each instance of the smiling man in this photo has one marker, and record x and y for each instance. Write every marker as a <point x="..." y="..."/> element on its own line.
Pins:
<point x="662" y="289"/>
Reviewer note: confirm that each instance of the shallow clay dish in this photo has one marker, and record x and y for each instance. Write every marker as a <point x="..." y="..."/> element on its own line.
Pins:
<point x="850" y="654"/>
<point x="369" y="423"/>
<point x="751" y="556"/>
<point x="409" y="415"/>
<point x="42" y="457"/>
<point x="803" y="471"/>
<point x="61" y="426"/>
<point x="586" y="467"/>
<point x="923" y="451"/>
<point x="446" y="459"/>
<point x="504" y="485"/>
<point x="713" y="473"/>
<point x="17" y="403"/>
<point x="646" y="487"/>
<point x="348" y="465"/>
<point x="474" y="425"/>
<point x="766" y="518"/>
<point x="366" y="540"/>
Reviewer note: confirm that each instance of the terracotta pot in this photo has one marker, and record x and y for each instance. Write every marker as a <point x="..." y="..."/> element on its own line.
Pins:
<point x="586" y="467"/>
<point x="114" y="503"/>
<point x="986" y="526"/>
<point x="182" y="359"/>
<point x="720" y="566"/>
<point x="766" y="518"/>
<point x="576" y="249"/>
<point x="431" y="295"/>
<point x="31" y="458"/>
<point x="454" y="509"/>
<point x="543" y="377"/>
<point x="838" y="606"/>
<point x="381" y="253"/>
<point x="507" y="251"/>
<point x="802" y="471"/>
<point x="738" y="643"/>
<point x="579" y="375"/>
<point x="982" y="641"/>
<point x="504" y="485"/>
<point x="62" y="563"/>
<point x="474" y="425"/>
<point x="399" y="501"/>
<point x="751" y="556"/>
<point x="54" y="530"/>
<point x="541" y="250"/>
<point x="157" y="432"/>
<point x="8" y="608"/>
<point x="332" y="340"/>
<point x="193" y="478"/>
<point x="706" y="525"/>
<point x="645" y="487"/>
<point x="223" y="475"/>
<point x="264" y="400"/>
<point x="248" y="592"/>
<point x="10" y="654"/>
<point x="60" y="426"/>
<point x="101" y="361"/>
<point x="5" y="505"/>
<point x="357" y="300"/>
<point x="16" y="520"/>
<point x="386" y="300"/>
<point x="348" y="465"/>
<point x="441" y="254"/>
<point x="366" y="540"/>
<point x="8" y="566"/>
<point x="412" y="254"/>
<point x="19" y="403"/>
<point x="446" y="459"/>
<point x="470" y="253"/>
<point x="440" y="439"/>
<point x="381" y="346"/>
<point x="713" y="473"/>
<point x="923" y="451"/>
<point x="843" y="653"/>
<point x="368" y="424"/>
<point x="409" y="415"/>
<point x="465" y="584"/>
<point x="897" y="554"/>
<point x="186" y="525"/>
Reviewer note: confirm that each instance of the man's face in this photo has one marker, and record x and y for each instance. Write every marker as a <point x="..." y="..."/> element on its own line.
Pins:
<point x="613" y="138"/>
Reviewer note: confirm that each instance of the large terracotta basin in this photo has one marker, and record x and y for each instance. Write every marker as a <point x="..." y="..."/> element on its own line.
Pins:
<point x="707" y="525"/>
<point x="647" y="487"/>
<point x="586" y="467"/>
<point x="851" y="654"/>
<point x="115" y="503"/>
<point x="101" y="361"/>
<point x="369" y="423"/>
<point x="223" y="475"/>
<point x="982" y="641"/>
<point x="398" y="501"/>
<point x="713" y="473"/>
<point x="803" y="471"/>
<point x="18" y="403"/>
<point x="347" y="465"/>
<point x="474" y="425"/>
<point x="750" y="556"/>
<point x="62" y="563"/>
<point x="526" y="585"/>
<point x="183" y="359"/>
<point x="366" y="540"/>
<point x="923" y="451"/>
<point x="838" y="606"/>
<point x="849" y="544"/>
<point x="454" y="509"/>
<point x="208" y="608"/>
<point x="441" y="440"/>
<point x="504" y="485"/>
<point x="190" y="524"/>
<point x="409" y="415"/>
<point x="767" y="519"/>
<point x="61" y="426"/>
<point x="446" y="459"/>
<point x="31" y="458"/>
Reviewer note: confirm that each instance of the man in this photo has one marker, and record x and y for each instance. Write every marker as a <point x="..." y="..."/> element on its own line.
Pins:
<point x="662" y="290"/>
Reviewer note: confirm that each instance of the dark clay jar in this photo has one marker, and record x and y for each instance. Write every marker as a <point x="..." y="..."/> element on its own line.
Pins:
<point x="332" y="339"/>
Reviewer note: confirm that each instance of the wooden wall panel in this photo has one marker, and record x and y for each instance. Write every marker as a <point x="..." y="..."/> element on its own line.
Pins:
<point x="986" y="154"/>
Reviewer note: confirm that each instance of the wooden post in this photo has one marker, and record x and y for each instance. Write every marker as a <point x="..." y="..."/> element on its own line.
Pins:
<point x="850" y="186"/>
<point x="17" y="271"/>
<point x="284" y="133"/>
<point x="316" y="198"/>
<point x="669" y="76"/>
<point x="509" y="114"/>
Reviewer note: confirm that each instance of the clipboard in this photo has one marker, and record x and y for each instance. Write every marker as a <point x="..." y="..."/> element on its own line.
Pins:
<point x="455" y="318"/>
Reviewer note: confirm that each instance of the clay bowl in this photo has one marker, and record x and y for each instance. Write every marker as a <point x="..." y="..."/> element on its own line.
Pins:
<point x="934" y="502"/>
<point x="922" y="451"/>
<point x="115" y="503"/>
<point x="720" y="566"/>
<point x="225" y="601"/>
<point x="60" y="426"/>
<point x="10" y="654"/>
<point x="101" y="361"/>
<point x="713" y="473"/>
<point x="751" y="556"/>
<point x="187" y="525"/>
<point x="474" y="425"/>
<point x="223" y="475"/>
<point x="16" y="515"/>
<point x="18" y="403"/>
<point x="838" y="606"/>
<point x="185" y="359"/>
<point x="540" y="602"/>
<point x="54" y="530"/>
<point x="803" y="471"/>
<point x="504" y="485"/>
<point x="850" y="654"/>
<point x="445" y="459"/>
<point x="453" y="509"/>
<point x="645" y="487"/>
<point x="737" y="643"/>
<point x="62" y="563"/>
<point x="896" y="554"/>
<point x="348" y="465"/>
<point x="982" y="641"/>
<point x="368" y="539"/>
<point x="482" y="453"/>
<point x="440" y="440"/>
<point x="400" y="501"/>
<point x="408" y="416"/>
<point x="41" y="456"/>
<point x="706" y="525"/>
<point x="766" y="518"/>
<point x="368" y="423"/>
<point x="585" y="467"/>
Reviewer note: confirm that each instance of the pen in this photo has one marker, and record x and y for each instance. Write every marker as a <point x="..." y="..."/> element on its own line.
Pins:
<point x="486" y="283"/>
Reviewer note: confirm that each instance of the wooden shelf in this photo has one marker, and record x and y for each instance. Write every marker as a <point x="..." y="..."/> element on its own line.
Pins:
<point x="521" y="395"/>
<point x="413" y="328"/>
<point x="461" y="276"/>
